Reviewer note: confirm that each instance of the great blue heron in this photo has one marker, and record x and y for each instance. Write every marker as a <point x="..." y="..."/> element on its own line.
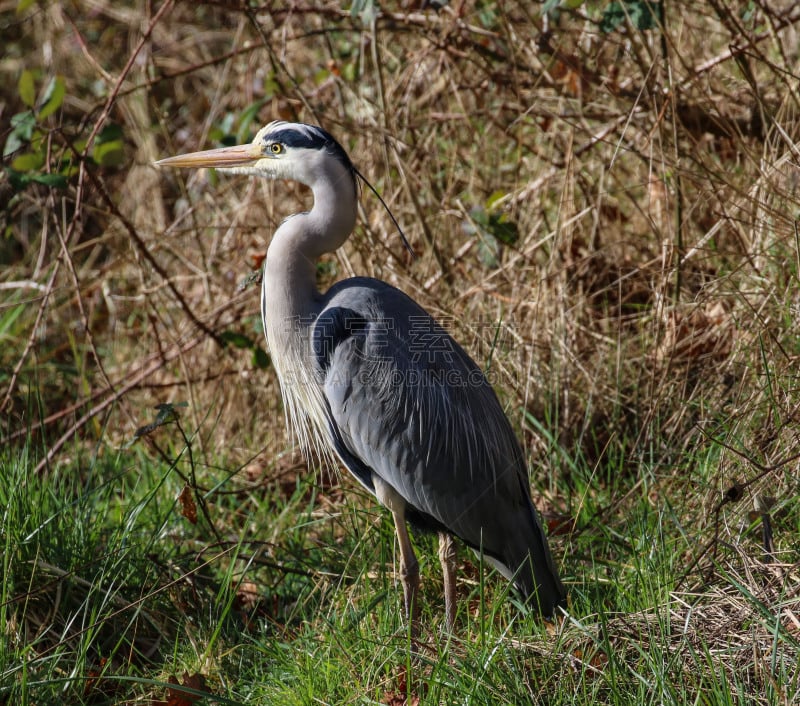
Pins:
<point x="369" y="377"/>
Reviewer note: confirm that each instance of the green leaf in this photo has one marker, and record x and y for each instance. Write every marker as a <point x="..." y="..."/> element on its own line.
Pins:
<point x="53" y="97"/>
<point x="239" y="340"/>
<point x="215" y="134"/>
<point x="350" y="71"/>
<point x="28" y="162"/>
<point x="494" y="198"/>
<point x="489" y="251"/>
<point x="38" y="141"/>
<point x="109" y="154"/>
<point x="366" y="10"/>
<point x="20" y="180"/>
<point x="13" y="143"/>
<point x="504" y="230"/>
<point x="271" y="86"/>
<point x="550" y="7"/>
<point x="260" y="358"/>
<point x="493" y="229"/>
<point x="69" y="171"/>
<point x="225" y="131"/>
<point x="246" y="120"/>
<point x="26" y="88"/>
<point x="643" y="14"/>
<point x="59" y="181"/>
<point x="110" y="133"/>
<point x="23" y="5"/>
<point x="22" y="125"/>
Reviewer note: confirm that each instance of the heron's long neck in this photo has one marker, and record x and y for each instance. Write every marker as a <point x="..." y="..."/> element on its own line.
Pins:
<point x="289" y="287"/>
<point x="290" y="303"/>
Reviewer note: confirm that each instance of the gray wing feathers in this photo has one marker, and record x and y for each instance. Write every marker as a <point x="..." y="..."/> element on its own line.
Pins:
<point x="409" y="404"/>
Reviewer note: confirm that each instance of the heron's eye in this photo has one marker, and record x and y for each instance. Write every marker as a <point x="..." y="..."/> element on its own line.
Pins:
<point x="276" y="148"/>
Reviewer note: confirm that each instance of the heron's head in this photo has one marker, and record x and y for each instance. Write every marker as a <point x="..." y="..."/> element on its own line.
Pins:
<point x="281" y="150"/>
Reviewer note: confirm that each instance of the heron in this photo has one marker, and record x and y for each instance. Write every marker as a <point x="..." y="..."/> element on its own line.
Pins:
<point x="368" y="377"/>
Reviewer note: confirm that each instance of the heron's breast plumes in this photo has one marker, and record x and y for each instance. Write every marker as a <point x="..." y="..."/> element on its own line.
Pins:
<point x="303" y="397"/>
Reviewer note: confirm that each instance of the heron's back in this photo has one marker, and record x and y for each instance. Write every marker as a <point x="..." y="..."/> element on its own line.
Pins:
<point x="408" y="404"/>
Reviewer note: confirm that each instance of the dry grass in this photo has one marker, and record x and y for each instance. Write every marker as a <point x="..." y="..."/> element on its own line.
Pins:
<point x="646" y="313"/>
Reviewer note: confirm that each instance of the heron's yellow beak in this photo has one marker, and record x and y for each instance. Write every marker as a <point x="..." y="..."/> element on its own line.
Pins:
<point x="238" y="156"/>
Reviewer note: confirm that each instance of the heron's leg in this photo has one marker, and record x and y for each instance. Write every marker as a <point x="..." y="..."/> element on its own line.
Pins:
<point x="409" y="571"/>
<point x="409" y="568"/>
<point x="447" y="557"/>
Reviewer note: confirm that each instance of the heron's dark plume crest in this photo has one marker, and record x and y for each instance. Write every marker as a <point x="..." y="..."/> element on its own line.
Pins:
<point x="312" y="137"/>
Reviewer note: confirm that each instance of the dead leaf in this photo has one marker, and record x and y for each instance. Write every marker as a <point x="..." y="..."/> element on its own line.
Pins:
<point x="97" y="685"/>
<point x="559" y="525"/>
<point x="569" y="75"/>
<point x="597" y="661"/>
<point x="398" y="697"/>
<point x="333" y="67"/>
<point x="247" y="595"/>
<point x="394" y="698"/>
<point x="658" y="203"/>
<point x="179" y="697"/>
<point x="188" y="508"/>
<point x="247" y="601"/>
<point x="706" y="332"/>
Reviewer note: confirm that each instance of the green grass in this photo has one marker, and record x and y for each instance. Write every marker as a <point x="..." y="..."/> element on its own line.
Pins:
<point x="108" y="591"/>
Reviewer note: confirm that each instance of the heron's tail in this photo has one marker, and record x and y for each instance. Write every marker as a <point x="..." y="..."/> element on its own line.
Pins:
<point x="535" y="573"/>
